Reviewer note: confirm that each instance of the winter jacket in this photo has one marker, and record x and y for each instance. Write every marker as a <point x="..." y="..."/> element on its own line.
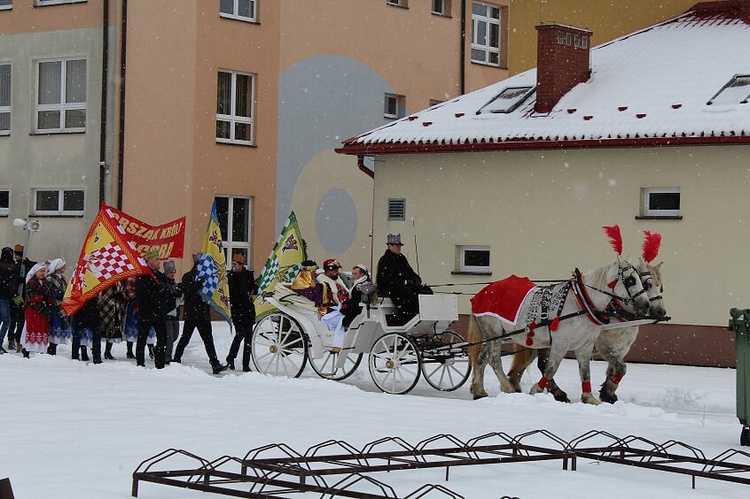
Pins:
<point x="8" y="275"/>
<point x="395" y="273"/>
<point x="155" y="296"/>
<point x="194" y="308"/>
<point x="88" y="315"/>
<point x="242" y="287"/>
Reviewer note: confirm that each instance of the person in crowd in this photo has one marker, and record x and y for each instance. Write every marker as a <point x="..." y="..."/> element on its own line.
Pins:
<point x="173" y="326"/>
<point x="130" y="333"/>
<point x="307" y="285"/>
<point x="17" y="311"/>
<point x="86" y="322"/>
<point x="339" y="294"/>
<point x="398" y="281"/>
<point x="38" y="309"/>
<point x="112" y="304"/>
<point x="362" y="290"/>
<point x="155" y="299"/>
<point x="197" y="315"/>
<point x="59" y="331"/>
<point x="242" y="290"/>
<point x="8" y="289"/>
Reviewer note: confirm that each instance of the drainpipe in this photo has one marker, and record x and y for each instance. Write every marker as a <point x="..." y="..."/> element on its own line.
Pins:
<point x="121" y="131"/>
<point x="363" y="168"/>
<point x="462" y="66"/>
<point x="103" y="170"/>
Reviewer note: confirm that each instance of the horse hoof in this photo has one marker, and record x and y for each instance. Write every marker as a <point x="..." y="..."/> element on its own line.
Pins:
<point x="480" y="396"/>
<point x="536" y="389"/>
<point x="588" y="398"/>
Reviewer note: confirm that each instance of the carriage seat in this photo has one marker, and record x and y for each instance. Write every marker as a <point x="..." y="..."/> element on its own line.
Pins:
<point x="284" y="293"/>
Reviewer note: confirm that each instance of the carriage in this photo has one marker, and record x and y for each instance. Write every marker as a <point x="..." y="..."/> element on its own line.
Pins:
<point x="285" y="341"/>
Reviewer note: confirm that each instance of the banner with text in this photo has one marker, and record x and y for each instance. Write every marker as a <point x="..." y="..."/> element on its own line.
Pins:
<point x="168" y="239"/>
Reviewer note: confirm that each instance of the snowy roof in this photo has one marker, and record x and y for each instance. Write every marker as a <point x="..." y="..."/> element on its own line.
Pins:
<point x="657" y="86"/>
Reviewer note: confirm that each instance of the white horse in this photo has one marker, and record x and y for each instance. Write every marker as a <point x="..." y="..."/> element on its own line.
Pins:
<point x="613" y="344"/>
<point x="579" y="311"/>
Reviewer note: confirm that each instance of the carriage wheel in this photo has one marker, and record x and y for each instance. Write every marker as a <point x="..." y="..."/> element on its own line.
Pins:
<point x="325" y="367"/>
<point x="394" y="363"/>
<point x="279" y="346"/>
<point x="446" y="368"/>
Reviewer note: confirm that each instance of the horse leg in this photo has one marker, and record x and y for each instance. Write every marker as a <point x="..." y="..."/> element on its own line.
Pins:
<point x="613" y="346"/>
<point x="615" y="371"/>
<point x="477" y="359"/>
<point x="552" y="387"/>
<point x="555" y="356"/>
<point x="583" y="356"/>
<point x="496" y="362"/>
<point x="522" y="359"/>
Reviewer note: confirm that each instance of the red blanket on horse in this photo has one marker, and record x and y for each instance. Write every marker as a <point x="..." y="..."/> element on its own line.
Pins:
<point x="502" y="299"/>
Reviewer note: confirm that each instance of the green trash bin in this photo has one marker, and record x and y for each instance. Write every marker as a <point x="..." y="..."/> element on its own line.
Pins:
<point x="739" y="322"/>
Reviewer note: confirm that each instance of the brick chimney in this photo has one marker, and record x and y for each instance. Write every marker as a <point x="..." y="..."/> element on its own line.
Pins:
<point x="562" y="62"/>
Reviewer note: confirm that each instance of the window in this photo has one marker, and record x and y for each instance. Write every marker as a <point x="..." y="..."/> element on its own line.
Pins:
<point x="735" y="91"/>
<point x="485" y="35"/>
<point x="235" y="108"/>
<point x="61" y="96"/>
<point x="40" y="3"/>
<point x="396" y="209"/>
<point x="441" y="7"/>
<point x="434" y="102"/>
<point x="6" y="4"/>
<point x="4" y="202"/>
<point x="508" y="100"/>
<point x="473" y="259"/>
<point x="661" y="202"/>
<point x="398" y="3"/>
<point x="394" y="106"/>
<point x="234" y="222"/>
<point x="58" y="202"/>
<point x="4" y="99"/>
<point x="243" y="10"/>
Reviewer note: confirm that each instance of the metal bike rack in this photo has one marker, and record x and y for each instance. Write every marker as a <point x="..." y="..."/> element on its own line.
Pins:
<point x="334" y="468"/>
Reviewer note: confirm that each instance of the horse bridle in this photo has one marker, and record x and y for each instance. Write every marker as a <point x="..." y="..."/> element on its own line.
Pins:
<point x="615" y="307"/>
<point x="646" y="278"/>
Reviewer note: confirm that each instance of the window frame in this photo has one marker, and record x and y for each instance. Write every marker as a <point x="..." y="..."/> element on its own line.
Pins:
<point x="230" y="245"/>
<point x="233" y="119"/>
<point x="648" y="212"/>
<point x="7" y="109"/>
<point x="4" y="210"/>
<point x="400" y="101"/>
<point x="61" y="211"/>
<point x="463" y="268"/>
<point x="444" y="10"/>
<point x="7" y="6"/>
<point x="44" y="3"/>
<point x="487" y="49"/>
<point x="404" y="4"/>
<point x="235" y="12"/>
<point x="61" y="106"/>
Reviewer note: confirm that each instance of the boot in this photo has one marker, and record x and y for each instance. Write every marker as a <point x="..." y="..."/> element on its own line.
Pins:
<point x="230" y="364"/>
<point x="216" y="367"/>
<point x="108" y="351"/>
<point x="11" y="344"/>
<point x="84" y="354"/>
<point x="25" y="353"/>
<point x="19" y="347"/>
<point x="52" y="349"/>
<point x="130" y="354"/>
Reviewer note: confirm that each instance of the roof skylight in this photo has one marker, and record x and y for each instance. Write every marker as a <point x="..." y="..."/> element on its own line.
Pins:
<point x="507" y="100"/>
<point x="735" y="91"/>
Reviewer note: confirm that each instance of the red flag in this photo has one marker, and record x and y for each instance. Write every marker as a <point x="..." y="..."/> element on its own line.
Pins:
<point x="106" y="257"/>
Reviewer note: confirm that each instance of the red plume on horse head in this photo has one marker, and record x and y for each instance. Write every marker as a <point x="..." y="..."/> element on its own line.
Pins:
<point x="651" y="244"/>
<point x="615" y="238"/>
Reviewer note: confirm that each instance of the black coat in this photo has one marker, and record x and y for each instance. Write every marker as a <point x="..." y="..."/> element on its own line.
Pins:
<point x="155" y="296"/>
<point x="194" y="308"/>
<point x="241" y="290"/>
<point x="8" y="275"/>
<point x="88" y="315"/>
<point x="395" y="273"/>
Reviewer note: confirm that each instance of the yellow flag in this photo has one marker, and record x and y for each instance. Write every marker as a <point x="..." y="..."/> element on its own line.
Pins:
<point x="212" y="269"/>
<point x="283" y="264"/>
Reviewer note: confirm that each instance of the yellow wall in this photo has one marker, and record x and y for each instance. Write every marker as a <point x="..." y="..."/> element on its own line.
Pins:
<point x="541" y="213"/>
<point x="608" y="19"/>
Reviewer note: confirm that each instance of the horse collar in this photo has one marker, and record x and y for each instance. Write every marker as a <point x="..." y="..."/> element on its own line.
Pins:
<point x="597" y="317"/>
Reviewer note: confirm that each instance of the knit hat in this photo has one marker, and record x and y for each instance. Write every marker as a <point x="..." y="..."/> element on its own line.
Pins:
<point x="18" y="248"/>
<point x="362" y="267"/>
<point x="7" y="255"/>
<point x="152" y="253"/>
<point x="395" y="239"/>
<point x="169" y="266"/>
<point x="239" y="258"/>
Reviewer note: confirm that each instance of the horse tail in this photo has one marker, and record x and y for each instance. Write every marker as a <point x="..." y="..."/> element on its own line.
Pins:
<point x="475" y="340"/>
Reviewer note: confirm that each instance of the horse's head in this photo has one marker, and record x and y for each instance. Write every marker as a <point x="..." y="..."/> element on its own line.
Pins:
<point x="626" y="285"/>
<point x="652" y="283"/>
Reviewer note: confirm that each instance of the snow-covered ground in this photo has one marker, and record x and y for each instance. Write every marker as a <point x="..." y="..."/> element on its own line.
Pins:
<point x="77" y="430"/>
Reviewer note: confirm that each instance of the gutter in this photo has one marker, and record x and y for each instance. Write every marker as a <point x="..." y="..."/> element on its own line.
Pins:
<point x="362" y="150"/>
<point x="121" y="128"/>
<point x="361" y="165"/>
<point x="103" y="170"/>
